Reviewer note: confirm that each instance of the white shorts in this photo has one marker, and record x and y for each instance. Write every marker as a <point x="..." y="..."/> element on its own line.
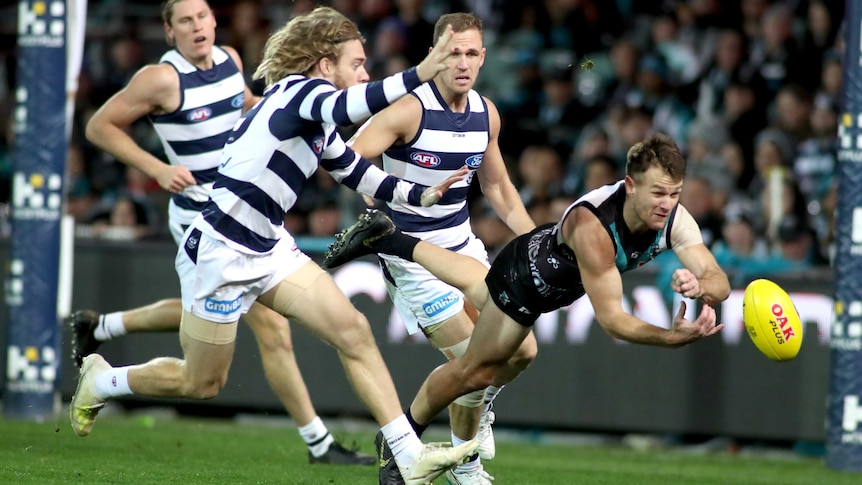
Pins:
<point x="179" y="220"/>
<point x="420" y="298"/>
<point x="222" y="283"/>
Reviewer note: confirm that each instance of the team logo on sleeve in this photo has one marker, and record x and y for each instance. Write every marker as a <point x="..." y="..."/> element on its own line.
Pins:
<point x="317" y="144"/>
<point x="424" y="159"/>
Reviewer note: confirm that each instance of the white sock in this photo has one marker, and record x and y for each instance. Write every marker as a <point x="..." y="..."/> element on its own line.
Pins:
<point x="316" y="436"/>
<point x="402" y="440"/>
<point x="113" y="383"/>
<point x="491" y="394"/>
<point x="110" y="327"/>
<point x="473" y="463"/>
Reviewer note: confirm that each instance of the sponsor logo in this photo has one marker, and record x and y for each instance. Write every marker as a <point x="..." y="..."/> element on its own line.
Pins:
<point x="200" y="114"/>
<point x="222" y="307"/>
<point x="782" y="331"/>
<point x="850" y="138"/>
<point x="852" y="414"/>
<point x="31" y="369"/>
<point x="436" y="306"/>
<point x="238" y="101"/>
<point x="15" y="283"/>
<point x="20" y="125"/>
<point x="41" y="23"/>
<point x="37" y="196"/>
<point x="424" y="159"/>
<point x="473" y="161"/>
<point x="846" y="330"/>
<point x="856" y="231"/>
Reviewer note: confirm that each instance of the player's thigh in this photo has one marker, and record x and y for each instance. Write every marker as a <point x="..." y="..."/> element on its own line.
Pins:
<point x="450" y="332"/>
<point x="496" y="338"/>
<point x="311" y="298"/>
<point x="208" y="347"/>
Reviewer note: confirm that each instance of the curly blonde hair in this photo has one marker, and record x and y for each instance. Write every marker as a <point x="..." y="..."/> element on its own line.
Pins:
<point x="303" y="41"/>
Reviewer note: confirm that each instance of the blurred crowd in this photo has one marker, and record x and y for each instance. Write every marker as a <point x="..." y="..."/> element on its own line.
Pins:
<point x="749" y="89"/>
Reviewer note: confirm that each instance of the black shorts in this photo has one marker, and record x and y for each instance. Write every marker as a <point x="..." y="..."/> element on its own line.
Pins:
<point x="510" y="283"/>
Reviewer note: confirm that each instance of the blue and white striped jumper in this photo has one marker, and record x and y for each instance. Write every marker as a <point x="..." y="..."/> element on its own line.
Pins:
<point x="193" y="136"/>
<point x="445" y="142"/>
<point x="277" y="147"/>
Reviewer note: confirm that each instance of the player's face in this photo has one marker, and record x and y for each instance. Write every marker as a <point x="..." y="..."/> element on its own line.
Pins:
<point x="350" y="68"/>
<point x="463" y="63"/>
<point x="653" y="196"/>
<point x="192" y="30"/>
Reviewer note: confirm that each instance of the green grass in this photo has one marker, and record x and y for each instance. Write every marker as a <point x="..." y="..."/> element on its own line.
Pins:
<point x="129" y="450"/>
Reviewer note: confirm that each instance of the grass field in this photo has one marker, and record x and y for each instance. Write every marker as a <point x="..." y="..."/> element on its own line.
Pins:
<point x="136" y="450"/>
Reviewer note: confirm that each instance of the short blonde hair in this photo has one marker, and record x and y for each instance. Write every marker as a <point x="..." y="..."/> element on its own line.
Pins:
<point x="303" y="41"/>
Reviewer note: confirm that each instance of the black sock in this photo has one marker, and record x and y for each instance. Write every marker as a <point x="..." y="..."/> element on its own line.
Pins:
<point x="398" y="244"/>
<point x="418" y="428"/>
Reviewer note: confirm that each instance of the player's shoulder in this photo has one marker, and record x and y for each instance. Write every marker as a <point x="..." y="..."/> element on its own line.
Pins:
<point x="407" y="106"/>
<point x="232" y="53"/>
<point x="155" y="77"/>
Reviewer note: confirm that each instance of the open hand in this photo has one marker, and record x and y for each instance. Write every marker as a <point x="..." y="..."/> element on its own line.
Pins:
<point x="684" y="331"/>
<point x="435" y="61"/>
<point x="432" y="195"/>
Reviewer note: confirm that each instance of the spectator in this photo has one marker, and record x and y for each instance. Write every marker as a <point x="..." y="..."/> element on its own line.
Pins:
<point x="247" y="32"/>
<point x="541" y="171"/>
<point x="745" y="118"/>
<point x="600" y="170"/>
<point x="816" y="162"/>
<point x="418" y="30"/>
<point x="654" y="94"/>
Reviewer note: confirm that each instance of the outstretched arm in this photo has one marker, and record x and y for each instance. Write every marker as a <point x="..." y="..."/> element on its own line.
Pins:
<point x="603" y="284"/>
<point x="356" y="103"/>
<point x="357" y="173"/>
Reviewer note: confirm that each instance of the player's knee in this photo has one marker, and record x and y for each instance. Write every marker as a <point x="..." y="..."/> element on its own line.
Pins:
<point x="478" y="377"/>
<point x="275" y="338"/>
<point x="205" y="388"/>
<point x="354" y="337"/>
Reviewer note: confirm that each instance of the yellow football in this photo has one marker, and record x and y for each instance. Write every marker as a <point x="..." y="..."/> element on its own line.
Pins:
<point x="771" y="320"/>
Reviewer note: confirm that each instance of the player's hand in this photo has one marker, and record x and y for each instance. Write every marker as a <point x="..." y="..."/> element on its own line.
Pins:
<point x="175" y="178"/>
<point x="432" y="195"/>
<point x="685" y="283"/>
<point x="684" y="331"/>
<point x="435" y="61"/>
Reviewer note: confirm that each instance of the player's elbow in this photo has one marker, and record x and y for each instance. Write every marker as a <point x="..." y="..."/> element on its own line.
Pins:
<point x="94" y="130"/>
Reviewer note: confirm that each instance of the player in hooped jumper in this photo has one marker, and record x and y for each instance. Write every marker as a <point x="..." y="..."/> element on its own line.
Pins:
<point x="237" y="251"/>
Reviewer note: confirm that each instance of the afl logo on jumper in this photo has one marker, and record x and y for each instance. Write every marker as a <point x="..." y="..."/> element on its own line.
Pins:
<point x="200" y="114"/>
<point x="473" y="161"/>
<point x="425" y="159"/>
